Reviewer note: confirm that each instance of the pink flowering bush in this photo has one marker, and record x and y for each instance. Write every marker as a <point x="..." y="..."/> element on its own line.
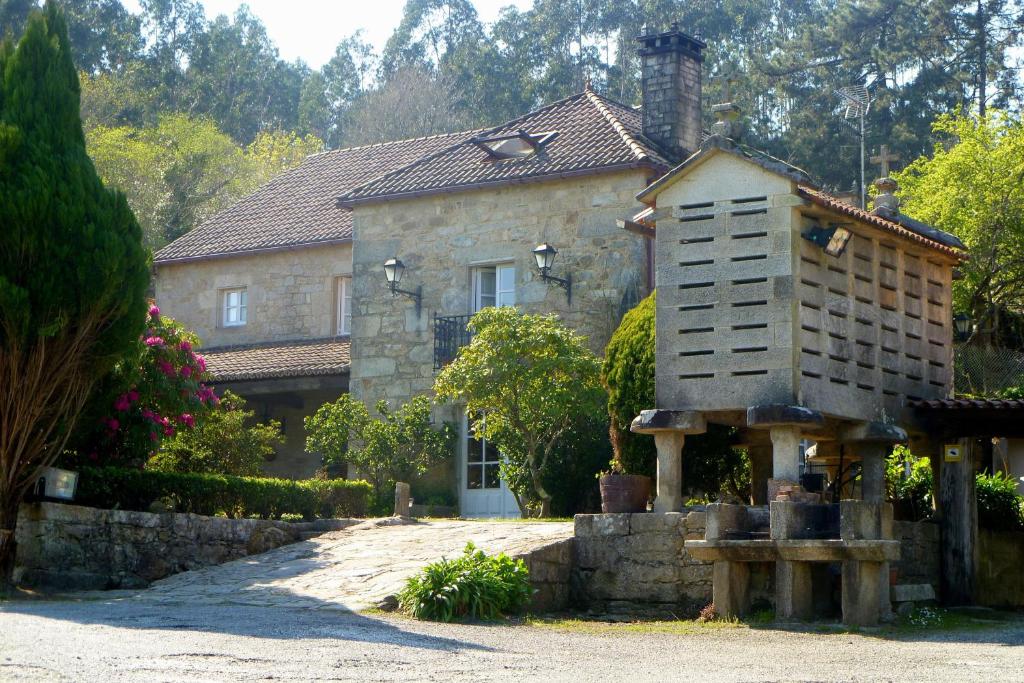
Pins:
<point x="156" y="391"/>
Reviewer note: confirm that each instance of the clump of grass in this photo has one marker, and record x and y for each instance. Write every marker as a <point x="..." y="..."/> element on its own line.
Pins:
<point x="473" y="586"/>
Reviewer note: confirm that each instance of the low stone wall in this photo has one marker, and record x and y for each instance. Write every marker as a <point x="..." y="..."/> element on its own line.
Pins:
<point x="637" y="563"/>
<point x="68" y="547"/>
<point x="550" y="575"/>
<point x="1001" y="568"/>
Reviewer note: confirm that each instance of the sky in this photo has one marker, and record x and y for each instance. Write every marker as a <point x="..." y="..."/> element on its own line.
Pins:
<point x="310" y="29"/>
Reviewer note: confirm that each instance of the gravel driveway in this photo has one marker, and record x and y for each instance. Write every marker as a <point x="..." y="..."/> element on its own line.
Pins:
<point x="131" y="640"/>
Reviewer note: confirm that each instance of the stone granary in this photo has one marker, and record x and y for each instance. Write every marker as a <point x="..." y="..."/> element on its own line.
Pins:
<point x="796" y="318"/>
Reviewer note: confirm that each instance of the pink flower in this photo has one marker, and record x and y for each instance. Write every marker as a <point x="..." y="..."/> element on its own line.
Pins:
<point x="153" y="436"/>
<point x="133" y="396"/>
<point x="165" y="368"/>
<point x="147" y="413"/>
<point x="186" y="371"/>
<point x="154" y="341"/>
<point x="122" y="403"/>
<point x="93" y="456"/>
<point x="187" y="420"/>
<point x="168" y="431"/>
<point x="154" y="312"/>
<point x="113" y="424"/>
<point x="185" y="345"/>
<point x="200" y="363"/>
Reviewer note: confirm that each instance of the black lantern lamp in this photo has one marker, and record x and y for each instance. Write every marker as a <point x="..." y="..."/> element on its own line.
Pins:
<point x="962" y="327"/>
<point x="393" y="271"/>
<point x="545" y="255"/>
<point x="832" y="240"/>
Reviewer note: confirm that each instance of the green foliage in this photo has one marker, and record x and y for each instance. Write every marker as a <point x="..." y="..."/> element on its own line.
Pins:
<point x="628" y="376"/>
<point x="474" y="586"/>
<point x="216" y="494"/>
<point x="73" y="271"/>
<point x="908" y="484"/>
<point x="533" y="378"/>
<point x="711" y="466"/>
<point x="184" y="169"/>
<point x="1000" y="507"/>
<point x="154" y="392"/>
<point x="970" y="186"/>
<point x="224" y="442"/>
<point x="396" y="446"/>
<point x="571" y="476"/>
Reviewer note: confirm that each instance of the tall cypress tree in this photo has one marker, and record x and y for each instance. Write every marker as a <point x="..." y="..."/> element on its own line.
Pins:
<point x="73" y="271"/>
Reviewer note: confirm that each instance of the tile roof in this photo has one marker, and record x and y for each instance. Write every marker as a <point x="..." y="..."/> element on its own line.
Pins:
<point x="829" y="202"/>
<point x="305" y="358"/>
<point x="298" y="206"/>
<point x="968" y="404"/>
<point x="594" y="133"/>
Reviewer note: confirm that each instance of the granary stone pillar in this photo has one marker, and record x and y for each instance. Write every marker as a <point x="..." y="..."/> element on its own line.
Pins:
<point x="786" y="425"/>
<point x="872" y="442"/>
<point x="669" y="428"/>
<point x="760" y="471"/>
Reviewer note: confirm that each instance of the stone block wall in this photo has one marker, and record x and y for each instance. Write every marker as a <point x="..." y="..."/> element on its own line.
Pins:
<point x="1001" y="568"/>
<point x="69" y="547"/>
<point x="638" y="563"/>
<point x="291" y="294"/>
<point x="442" y="238"/>
<point x="550" y="575"/>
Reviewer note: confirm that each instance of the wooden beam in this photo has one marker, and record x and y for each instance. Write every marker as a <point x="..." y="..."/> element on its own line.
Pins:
<point x="637" y="228"/>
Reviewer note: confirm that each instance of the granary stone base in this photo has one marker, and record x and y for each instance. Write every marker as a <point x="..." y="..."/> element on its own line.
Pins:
<point x="637" y="564"/>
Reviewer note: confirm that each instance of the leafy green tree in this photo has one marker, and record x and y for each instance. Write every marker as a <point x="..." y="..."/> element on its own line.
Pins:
<point x="973" y="186"/>
<point x="73" y="272"/>
<point x="227" y="441"/>
<point x="394" y="446"/>
<point x="533" y="378"/>
<point x="908" y="484"/>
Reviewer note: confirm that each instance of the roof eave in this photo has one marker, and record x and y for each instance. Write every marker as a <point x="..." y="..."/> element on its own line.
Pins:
<point x="250" y="252"/>
<point x="344" y="203"/>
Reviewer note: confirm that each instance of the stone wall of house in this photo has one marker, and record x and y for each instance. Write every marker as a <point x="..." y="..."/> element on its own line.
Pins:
<point x="441" y="238"/>
<point x="637" y="563"/>
<point x="69" y="547"/>
<point x="291" y="294"/>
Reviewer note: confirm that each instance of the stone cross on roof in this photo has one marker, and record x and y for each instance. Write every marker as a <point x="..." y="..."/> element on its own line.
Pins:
<point x="883" y="158"/>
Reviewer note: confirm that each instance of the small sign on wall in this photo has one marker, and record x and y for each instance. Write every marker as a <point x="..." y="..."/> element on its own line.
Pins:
<point x="951" y="452"/>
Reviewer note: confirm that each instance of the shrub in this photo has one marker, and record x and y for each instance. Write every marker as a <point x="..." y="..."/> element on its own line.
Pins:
<point x="154" y="392"/>
<point x="221" y="444"/>
<point x="216" y="494"/>
<point x="395" y="446"/>
<point x="908" y="484"/>
<point x="1000" y="507"/>
<point x="473" y="586"/>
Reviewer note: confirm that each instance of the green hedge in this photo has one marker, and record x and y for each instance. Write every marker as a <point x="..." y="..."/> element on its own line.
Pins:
<point x="218" y="494"/>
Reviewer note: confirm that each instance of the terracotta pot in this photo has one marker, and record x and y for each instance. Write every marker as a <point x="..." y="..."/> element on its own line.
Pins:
<point x="625" y="492"/>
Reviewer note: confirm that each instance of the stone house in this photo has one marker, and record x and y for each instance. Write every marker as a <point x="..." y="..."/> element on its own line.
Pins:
<point x="287" y="288"/>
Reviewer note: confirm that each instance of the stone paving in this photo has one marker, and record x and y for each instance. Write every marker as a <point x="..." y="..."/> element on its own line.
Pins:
<point x="352" y="569"/>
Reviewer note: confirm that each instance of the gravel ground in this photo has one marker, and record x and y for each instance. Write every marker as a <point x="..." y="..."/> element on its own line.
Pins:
<point x="130" y="640"/>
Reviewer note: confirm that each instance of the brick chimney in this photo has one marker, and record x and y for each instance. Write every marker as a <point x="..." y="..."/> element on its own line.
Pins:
<point x="670" y="65"/>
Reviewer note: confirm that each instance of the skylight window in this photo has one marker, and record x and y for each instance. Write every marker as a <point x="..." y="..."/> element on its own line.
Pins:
<point x="517" y="145"/>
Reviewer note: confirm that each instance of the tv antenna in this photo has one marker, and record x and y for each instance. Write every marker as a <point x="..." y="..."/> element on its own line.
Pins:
<point x="856" y="103"/>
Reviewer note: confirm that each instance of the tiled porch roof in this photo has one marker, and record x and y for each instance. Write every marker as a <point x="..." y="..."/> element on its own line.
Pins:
<point x="307" y="358"/>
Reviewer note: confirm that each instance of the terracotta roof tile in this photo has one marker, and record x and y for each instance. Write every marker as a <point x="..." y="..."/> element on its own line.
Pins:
<point x="829" y="202"/>
<point x="594" y="133"/>
<point x="279" y="359"/>
<point x="298" y="206"/>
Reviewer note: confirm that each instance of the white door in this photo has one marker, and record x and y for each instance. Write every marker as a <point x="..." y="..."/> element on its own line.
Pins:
<point x="483" y="493"/>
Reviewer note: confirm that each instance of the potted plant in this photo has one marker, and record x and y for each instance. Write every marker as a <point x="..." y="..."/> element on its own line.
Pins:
<point x="622" y="490"/>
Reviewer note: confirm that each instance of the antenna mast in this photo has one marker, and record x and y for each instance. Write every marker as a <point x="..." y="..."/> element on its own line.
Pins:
<point x="857" y="101"/>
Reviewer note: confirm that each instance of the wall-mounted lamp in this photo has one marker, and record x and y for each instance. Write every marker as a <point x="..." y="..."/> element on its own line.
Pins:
<point x="545" y="255"/>
<point x="393" y="271"/>
<point x="962" y="327"/>
<point x="832" y="240"/>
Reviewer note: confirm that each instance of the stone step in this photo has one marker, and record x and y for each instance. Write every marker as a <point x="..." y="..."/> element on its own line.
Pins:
<point x="912" y="592"/>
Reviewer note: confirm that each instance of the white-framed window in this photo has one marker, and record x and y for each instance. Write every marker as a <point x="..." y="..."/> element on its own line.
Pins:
<point x="483" y="463"/>
<point x="235" y="303"/>
<point x="343" y="297"/>
<point x="494" y="286"/>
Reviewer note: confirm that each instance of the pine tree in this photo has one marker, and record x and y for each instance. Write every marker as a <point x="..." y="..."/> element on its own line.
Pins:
<point x="73" y="271"/>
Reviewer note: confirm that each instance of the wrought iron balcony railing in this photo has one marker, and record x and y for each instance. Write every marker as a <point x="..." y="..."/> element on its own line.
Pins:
<point x="451" y="333"/>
